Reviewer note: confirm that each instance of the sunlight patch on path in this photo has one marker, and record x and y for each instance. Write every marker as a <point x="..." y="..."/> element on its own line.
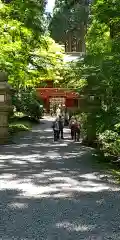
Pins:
<point x="75" y="227"/>
<point x="16" y="205"/>
<point x="60" y="185"/>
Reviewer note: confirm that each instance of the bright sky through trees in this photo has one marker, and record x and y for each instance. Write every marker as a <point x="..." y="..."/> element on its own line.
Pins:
<point x="50" y="6"/>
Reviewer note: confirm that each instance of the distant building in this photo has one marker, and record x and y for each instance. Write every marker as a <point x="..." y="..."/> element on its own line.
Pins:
<point x="75" y="38"/>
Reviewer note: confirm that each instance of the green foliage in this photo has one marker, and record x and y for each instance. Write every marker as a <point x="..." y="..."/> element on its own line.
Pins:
<point x="71" y="76"/>
<point x="26" y="102"/>
<point x="117" y="128"/>
<point x="102" y="63"/>
<point x="17" y="127"/>
<point x="108" y="12"/>
<point x="68" y="16"/>
<point x="110" y="143"/>
<point x="98" y="39"/>
<point x="30" y="13"/>
<point x="26" y="55"/>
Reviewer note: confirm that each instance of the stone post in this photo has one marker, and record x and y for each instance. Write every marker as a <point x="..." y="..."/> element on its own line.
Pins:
<point x="5" y="107"/>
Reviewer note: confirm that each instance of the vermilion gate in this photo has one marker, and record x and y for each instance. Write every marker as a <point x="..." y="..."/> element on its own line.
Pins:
<point x="71" y="98"/>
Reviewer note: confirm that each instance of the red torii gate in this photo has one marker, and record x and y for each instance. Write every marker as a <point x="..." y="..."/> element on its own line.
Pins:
<point x="71" y="97"/>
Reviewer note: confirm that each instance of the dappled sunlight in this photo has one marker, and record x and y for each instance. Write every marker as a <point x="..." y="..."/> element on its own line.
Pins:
<point x="97" y="176"/>
<point x="17" y="205"/>
<point x="90" y="176"/>
<point x="8" y="177"/>
<point x="75" y="226"/>
<point x="48" y="130"/>
<point x="29" y="158"/>
<point x="55" y="187"/>
<point x="15" y="146"/>
<point x="34" y="180"/>
<point x="74" y="155"/>
<point x="52" y="182"/>
<point x="43" y="137"/>
<point x="50" y="144"/>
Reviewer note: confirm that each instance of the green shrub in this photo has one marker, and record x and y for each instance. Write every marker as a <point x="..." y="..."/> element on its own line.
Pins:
<point x="17" y="127"/>
<point x="110" y="143"/>
<point x="26" y="102"/>
<point x="117" y="128"/>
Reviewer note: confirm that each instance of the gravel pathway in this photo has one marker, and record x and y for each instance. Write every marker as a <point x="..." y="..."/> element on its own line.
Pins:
<point x="55" y="191"/>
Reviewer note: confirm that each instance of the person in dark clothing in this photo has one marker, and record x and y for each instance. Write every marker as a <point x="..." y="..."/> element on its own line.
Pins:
<point x="66" y="119"/>
<point x="70" y="116"/>
<point x="77" y="131"/>
<point x="72" y="127"/>
<point x="55" y="127"/>
<point x="61" y="126"/>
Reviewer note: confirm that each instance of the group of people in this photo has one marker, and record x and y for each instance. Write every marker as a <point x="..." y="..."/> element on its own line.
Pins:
<point x="58" y="126"/>
<point x="60" y="122"/>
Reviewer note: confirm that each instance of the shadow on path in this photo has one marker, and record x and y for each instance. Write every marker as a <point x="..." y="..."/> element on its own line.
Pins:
<point x="54" y="191"/>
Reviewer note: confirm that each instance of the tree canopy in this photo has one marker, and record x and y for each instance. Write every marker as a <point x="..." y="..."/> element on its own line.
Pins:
<point x="68" y="16"/>
<point x="27" y="53"/>
<point x="30" y="13"/>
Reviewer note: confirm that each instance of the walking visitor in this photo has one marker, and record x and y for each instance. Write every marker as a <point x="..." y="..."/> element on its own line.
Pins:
<point x="77" y="131"/>
<point x="66" y="119"/>
<point x="58" y="111"/>
<point x="61" y="126"/>
<point x="72" y="127"/>
<point x="55" y="127"/>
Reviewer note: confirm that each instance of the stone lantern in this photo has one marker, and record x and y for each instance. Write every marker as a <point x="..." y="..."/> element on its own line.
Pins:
<point x="5" y="107"/>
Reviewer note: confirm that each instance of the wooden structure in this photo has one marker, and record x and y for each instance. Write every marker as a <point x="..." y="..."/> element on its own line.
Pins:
<point x="60" y="96"/>
<point x="75" y="41"/>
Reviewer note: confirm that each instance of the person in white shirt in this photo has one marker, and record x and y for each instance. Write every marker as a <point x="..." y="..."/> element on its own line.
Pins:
<point x="58" y="111"/>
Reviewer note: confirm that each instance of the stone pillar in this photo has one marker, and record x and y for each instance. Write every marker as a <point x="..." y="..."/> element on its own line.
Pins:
<point x="5" y="107"/>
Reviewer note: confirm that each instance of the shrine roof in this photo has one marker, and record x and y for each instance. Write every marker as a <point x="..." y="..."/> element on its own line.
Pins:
<point x="54" y="92"/>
